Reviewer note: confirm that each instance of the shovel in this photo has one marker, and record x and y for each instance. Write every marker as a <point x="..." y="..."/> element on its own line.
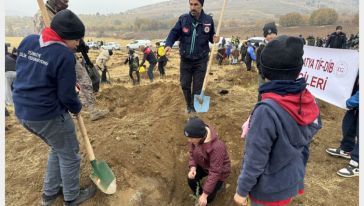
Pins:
<point x="44" y="13"/>
<point x="202" y="102"/>
<point x="101" y="174"/>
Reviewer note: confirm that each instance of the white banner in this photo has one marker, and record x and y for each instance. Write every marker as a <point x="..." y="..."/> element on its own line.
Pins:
<point x="330" y="73"/>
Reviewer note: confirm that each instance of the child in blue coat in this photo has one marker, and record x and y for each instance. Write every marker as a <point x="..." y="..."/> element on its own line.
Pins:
<point x="281" y="128"/>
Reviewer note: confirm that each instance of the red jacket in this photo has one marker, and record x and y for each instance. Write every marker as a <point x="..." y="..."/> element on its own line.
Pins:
<point x="213" y="158"/>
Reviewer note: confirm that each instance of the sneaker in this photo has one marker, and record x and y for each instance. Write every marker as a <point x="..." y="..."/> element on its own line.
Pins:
<point x="352" y="170"/>
<point x="49" y="200"/>
<point x="98" y="114"/>
<point x="338" y="152"/>
<point x="84" y="195"/>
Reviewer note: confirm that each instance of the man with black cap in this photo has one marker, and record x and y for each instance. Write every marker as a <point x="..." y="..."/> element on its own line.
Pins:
<point x="269" y="32"/>
<point x="281" y="128"/>
<point x="337" y="39"/>
<point x="83" y="79"/>
<point x="44" y="96"/>
<point x="208" y="157"/>
<point x="194" y="31"/>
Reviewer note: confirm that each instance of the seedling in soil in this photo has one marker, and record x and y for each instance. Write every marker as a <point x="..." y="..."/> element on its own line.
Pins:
<point x="197" y="195"/>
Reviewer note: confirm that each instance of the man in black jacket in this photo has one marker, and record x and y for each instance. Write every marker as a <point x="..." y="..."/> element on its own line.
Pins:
<point x="194" y="31"/>
<point x="337" y="39"/>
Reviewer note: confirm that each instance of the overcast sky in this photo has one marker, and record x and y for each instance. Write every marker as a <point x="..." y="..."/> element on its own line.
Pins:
<point x="29" y="7"/>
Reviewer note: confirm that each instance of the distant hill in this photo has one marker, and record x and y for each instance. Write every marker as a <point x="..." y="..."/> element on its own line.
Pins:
<point x="249" y="9"/>
<point x="158" y="18"/>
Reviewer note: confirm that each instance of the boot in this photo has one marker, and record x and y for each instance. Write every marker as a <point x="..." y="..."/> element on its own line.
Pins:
<point x="187" y="94"/>
<point x="49" y="200"/>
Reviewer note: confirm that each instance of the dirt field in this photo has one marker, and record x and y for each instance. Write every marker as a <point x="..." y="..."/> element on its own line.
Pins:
<point x="142" y="140"/>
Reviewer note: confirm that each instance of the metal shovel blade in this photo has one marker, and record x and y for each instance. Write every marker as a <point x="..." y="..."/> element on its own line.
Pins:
<point x="201" y="102"/>
<point x="103" y="177"/>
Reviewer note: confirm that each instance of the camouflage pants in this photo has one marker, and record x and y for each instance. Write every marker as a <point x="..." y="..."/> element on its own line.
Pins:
<point x="86" y="92"/>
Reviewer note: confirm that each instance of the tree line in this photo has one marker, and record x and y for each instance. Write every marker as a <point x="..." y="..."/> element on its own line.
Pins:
<point x="319" y="17"/>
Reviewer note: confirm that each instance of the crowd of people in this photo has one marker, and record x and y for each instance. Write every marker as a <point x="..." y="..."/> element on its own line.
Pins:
<point x="247" y="50"/>
<point x="277" y="133"/>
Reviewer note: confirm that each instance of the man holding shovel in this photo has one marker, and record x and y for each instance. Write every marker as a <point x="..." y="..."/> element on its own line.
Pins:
<point x="101" y="60"/>
<point x="44" y="94"/>
<point x="86" y="90"/>
<point x="194" y="31"/>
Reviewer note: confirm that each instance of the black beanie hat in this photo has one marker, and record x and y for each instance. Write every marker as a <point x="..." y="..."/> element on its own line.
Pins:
<point x="195" y="128"/>
<point x="281" y="59"/>
<point x="269" y="28"/>
<point x="201" y="2"/>
<point x="67" y="25"/>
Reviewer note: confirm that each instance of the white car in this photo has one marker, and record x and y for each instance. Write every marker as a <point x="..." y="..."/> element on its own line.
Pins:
<point x="136" y="44"/>
<point x="92" y="45"/>
<point x="163" y="43"/>
<point x="253" y="40"/>
<point x="111" y="46"/>
<point x="227" y="41"/>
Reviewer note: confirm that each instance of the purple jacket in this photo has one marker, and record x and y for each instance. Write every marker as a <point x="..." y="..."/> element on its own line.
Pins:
<point x="213" y="158"/>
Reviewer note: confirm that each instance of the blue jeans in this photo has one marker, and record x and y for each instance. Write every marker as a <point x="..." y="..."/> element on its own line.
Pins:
<point x="150" y="71"/>
<point x="350" y="130"/>
<point x="63" y="159"/>
<point x="9" y="79"/>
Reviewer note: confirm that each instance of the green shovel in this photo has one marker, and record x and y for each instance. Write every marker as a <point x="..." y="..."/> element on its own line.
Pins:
<point x="101" y="174"/>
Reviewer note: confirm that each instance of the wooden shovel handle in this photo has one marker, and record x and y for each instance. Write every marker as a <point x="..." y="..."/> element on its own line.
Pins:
<point x="44" y="12"/>
<point x="213" y="50"/>
<point x="90" y="151"/>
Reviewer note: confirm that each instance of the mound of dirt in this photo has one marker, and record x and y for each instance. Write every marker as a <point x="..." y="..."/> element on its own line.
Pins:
<point x="142" y="140"/>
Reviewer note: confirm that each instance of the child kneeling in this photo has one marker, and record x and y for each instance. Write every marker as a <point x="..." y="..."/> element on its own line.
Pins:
<point x="208" y="157"/>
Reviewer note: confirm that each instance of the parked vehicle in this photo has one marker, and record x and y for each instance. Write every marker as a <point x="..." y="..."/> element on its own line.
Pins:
<point x="163" y="43"/>
<point x="92" y="45"/>
<point x="253" y="40"/>
<point x="111" y="45"/>
<point x="227" y="41"/>
<point x="136" y="44"/>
